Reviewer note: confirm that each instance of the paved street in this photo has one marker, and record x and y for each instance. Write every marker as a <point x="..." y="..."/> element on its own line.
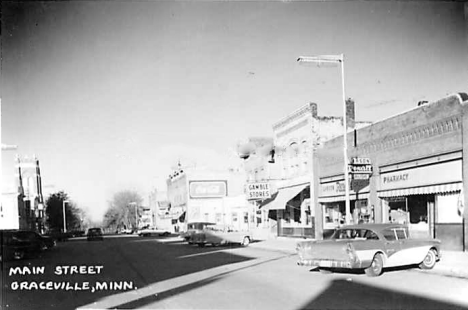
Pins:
<point x="129" y="272"/>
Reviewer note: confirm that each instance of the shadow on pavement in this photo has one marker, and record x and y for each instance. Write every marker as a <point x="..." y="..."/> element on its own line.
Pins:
<point x="342" y="294"/>
<point x="144" y="264"/>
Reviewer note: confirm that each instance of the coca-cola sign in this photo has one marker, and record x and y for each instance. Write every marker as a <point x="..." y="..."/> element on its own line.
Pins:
<point x="207" y="189"/>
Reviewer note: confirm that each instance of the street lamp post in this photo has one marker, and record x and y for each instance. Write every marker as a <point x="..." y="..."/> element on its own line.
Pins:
<point x="64" y="216"/>
<point x="136" y="213"/>
<point x="333" y="60"/>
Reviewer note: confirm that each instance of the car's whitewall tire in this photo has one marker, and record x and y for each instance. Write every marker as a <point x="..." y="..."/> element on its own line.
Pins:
<point x="429" y="261"/>
<point x="376" y="267"/>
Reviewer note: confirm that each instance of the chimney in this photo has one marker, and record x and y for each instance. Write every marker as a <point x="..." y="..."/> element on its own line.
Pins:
<point x="350" y="115"/>
<point x="313" y="109"/>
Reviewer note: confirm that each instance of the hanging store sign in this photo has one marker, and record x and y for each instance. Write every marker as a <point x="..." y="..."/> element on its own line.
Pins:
<point x="360" y="165"/>
<point x="207" y="189"/>
<point x="258" y="190"/>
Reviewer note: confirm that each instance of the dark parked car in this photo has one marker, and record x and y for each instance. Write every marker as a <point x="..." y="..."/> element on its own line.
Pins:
<point x="94" y="234"/>
<point x="49" y="242"/>
<point x="19" y="244"/>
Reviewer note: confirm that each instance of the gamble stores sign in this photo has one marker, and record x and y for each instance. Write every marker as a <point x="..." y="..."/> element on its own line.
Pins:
<point x="259" y="190"/>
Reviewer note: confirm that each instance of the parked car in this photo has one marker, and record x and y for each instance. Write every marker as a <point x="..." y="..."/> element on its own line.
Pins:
<point x="57" y="234"/>
<point x="127" y="231"/>
<point x="94" y="234"/>
<point x="19" y="244"/>
<point x="371" y="247"/>
<point x="49" y="242"/>
<point x="221" y="234"/>
<point x="147" y="232"/>
<point x="193" y="228"/>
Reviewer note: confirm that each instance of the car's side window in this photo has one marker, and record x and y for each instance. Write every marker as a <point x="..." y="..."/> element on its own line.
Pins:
<point x="370" y="235"/>
<point x="401" y="234"/>
<point x="389" y="234"/>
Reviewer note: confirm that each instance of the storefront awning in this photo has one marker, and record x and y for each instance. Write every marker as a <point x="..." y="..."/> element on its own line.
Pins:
<point x="422" y="190"/>
<point x="342" y="198"/>
<point x="284" y="195"/>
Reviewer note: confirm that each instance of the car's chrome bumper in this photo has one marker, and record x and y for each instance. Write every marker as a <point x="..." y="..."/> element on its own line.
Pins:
<point x="328" y="263"/>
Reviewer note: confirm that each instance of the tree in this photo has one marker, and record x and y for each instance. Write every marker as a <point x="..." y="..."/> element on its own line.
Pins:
<point x="122" y="208"/>
<point x="54" y="212"/>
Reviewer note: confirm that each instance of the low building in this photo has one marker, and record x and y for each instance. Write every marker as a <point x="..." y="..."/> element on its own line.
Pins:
<point x="409" y="168"/>
<point x="197" y="194"/>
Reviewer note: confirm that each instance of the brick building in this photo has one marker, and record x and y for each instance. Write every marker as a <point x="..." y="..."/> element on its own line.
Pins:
<point x="418" y="162"/>
<point x="290" y="171"/>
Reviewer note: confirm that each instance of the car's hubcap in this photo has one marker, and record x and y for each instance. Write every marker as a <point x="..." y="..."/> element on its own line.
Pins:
<point x="429" y="260"/>
<point x="376" y="265"/>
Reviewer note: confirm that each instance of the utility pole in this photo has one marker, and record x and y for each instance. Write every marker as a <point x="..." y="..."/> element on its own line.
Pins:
<point x="64" y="216"/>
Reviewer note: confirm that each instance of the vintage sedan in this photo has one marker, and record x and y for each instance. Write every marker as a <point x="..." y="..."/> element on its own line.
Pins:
<point x="94" y="234"/>
<point x="148" y="232"/>
<point x="19" y="244"/>
<point x="221" y="234"/>
<point x="192" y="229"/>
<point x="371" y="247"/>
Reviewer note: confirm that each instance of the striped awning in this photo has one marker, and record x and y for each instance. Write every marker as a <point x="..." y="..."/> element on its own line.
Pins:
<point x="422" y="190"/>
<point x="284" y="195"/>
<point x="342" y="198"/>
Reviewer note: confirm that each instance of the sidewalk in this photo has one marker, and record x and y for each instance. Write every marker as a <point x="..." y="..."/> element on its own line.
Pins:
<point x="452" y="263"/>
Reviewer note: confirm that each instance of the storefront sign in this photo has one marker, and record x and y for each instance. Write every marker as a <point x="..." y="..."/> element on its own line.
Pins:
<point x="207" y="189"/>
<point x="258" y="190"/>
<point x="367" y="169"/>
<point x="360" y="165"/>
<point x="360" y="161"/>
<point x="442" y="173"/>
<point x="337" y="189"/>
<point x="360" y="176"/>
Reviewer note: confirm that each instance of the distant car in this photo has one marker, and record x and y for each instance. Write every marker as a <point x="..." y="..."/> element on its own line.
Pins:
<point x="20" y="244"/>
<point x="94" y="234"/>
<point x="127" y="231"/>
<point x="153" y="232"/>
<point x="192" y="229"/>
<point x="369" y="247"/>
<point x="221" y="234"/>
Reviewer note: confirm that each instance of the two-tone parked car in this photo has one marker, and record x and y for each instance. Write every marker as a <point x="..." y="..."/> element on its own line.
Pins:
<point x="221" y="234"/>
<point x="192" y="229"/>
<point x="148" y="232"/>
<point x="369" y="247"/>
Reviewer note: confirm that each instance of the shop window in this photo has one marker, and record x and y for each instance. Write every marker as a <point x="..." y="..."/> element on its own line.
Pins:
<point x="448" y="208"/>
<point x="234" y="217"/>
<point x="246" y="217"/>
<point x="417" y="207"/>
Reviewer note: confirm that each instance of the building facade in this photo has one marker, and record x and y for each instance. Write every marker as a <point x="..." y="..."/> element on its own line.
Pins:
<point x="197" y="194"/>
<point x="24" y="208"/>
<point x="410" y="168"/>
<point x="296" y="136"/>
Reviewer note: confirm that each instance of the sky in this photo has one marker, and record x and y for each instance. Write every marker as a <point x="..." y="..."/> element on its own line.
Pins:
<point x="110" y="95"/>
